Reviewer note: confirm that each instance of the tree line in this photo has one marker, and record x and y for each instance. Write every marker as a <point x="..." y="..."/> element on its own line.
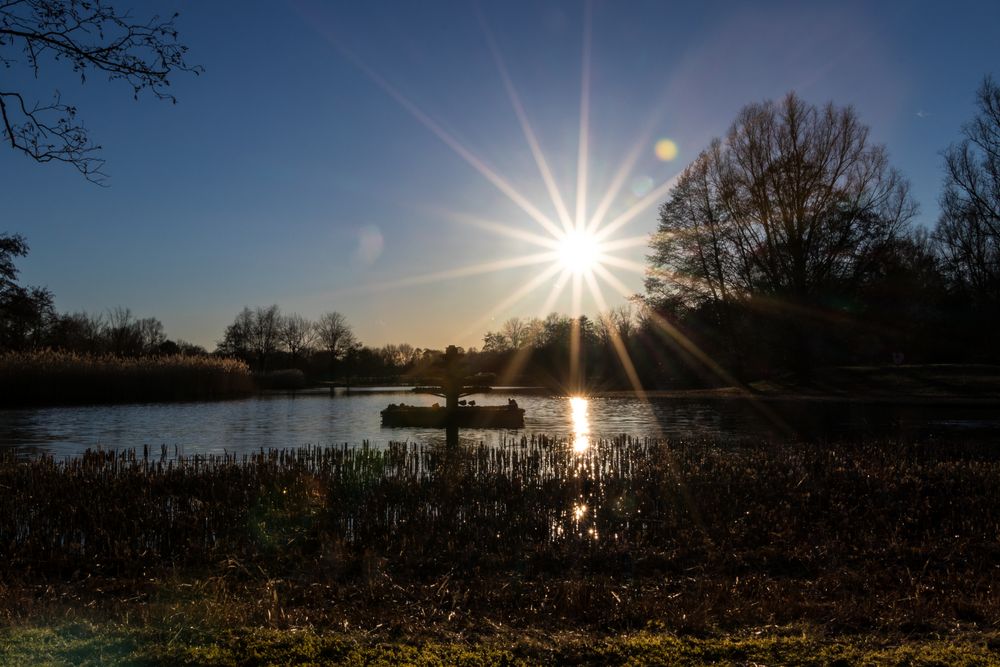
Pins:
<point x="327" y="348"/>
<point x="787" y="245"/>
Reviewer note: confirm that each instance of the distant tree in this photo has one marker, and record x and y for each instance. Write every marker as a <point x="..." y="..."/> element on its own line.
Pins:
<point x="254" y="336"/>
<point x="265" y="334"/>
<point x="121" y="331"/>
<point x="168" y="348"/>
<point x="25" y="316"/>
<point x="515" y="330"/>
<point x="906" y="300"/>
<point x="190" y="349"/>
<point x="794" y="210"/>
<point x="618" y="323"/>
<point x="392" y="356"/>
<point x="128" y="336"/>
<point x="12" y="246"/>
<point x="25" y="312"/>
<point x="495" y="341"/>
<point x="968" y="230"/>
<point x="151" y="335"/>
<point x="236" y="341"/>
<point x="335" y="336"/>
<point x="407" y="354"/>
<point x="395" y="358"/>
<point x="555" y="330"/>
<point x="77" y="332"/>
<point x="89" y="36"/>
<point x="297" y="334"/>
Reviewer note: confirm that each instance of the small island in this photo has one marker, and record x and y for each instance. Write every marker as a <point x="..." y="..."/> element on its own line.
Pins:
<point x="453" y="385"/>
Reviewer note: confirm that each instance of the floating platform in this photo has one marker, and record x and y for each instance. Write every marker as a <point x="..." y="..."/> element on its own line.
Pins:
<point x="479" y="416"/>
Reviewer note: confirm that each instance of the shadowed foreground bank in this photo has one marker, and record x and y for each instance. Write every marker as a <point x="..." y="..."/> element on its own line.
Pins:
<point x="856" y="537"/>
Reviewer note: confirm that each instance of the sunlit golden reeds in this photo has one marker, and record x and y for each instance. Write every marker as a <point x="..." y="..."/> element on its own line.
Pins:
<point x="50" y="376"/>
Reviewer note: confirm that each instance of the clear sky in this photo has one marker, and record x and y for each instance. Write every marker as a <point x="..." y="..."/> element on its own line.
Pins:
<point x="333" y="152"/>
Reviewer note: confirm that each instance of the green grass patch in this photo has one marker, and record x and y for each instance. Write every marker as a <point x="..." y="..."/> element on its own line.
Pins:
<point x="85" y="644"/>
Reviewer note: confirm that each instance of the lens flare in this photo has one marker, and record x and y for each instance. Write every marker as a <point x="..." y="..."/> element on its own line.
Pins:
<point x="641" y="186"/>
<point x="666" y="150"/>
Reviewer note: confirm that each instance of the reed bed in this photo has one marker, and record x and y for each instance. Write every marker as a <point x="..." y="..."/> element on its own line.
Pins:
<point x="690" y="534"/>
<point x="55" y="377"/>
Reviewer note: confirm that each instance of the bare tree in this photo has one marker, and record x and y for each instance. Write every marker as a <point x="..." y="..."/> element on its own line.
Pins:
<point x="297" y="334"/>
<point x="693" y="259"/>
<point x="265" y="333"/>
<point x="78" y="332"/>
<point x="151" y="335"/>
<point x="89" y="36"/>
<point x="515" y="330"/>
<point x="407" y="354"/>
<point x="335" y="335"/>
<point x="236" y="341"/>
<point x="618" y="323"/>
<point x="796" y="205"/>
<point x="121" y="330"/>
<point x="968" y="230"/>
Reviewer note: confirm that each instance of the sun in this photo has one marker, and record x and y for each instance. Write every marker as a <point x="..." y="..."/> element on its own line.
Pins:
<point x="577" y="248"/>
<point x="579" y="252"/>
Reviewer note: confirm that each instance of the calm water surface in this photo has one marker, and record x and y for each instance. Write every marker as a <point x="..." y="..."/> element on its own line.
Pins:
<point x="316" y="418"/>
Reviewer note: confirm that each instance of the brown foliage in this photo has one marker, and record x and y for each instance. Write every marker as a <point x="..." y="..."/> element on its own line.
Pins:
<point x="695" y="535"/>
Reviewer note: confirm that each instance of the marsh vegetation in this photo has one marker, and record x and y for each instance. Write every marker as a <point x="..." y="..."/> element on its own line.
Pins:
<point x="856" y="537"/>
<point x="49" y="376"/>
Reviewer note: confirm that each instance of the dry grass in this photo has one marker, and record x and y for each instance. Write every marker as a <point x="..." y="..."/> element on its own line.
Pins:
<point x="54" y="377"/>
<point x="853" y="536"/>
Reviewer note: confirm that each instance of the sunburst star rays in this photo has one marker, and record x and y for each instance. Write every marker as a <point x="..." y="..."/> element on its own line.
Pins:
<point x="581" y="249"/>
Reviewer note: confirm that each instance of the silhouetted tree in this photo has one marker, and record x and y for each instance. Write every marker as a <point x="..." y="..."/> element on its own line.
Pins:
<point x="297" y="334"/>
<point x="236" y="341"/>
<point x="77" y="332"/>
<point x="190" y="349"/>
<point x="904" y="304"/>
<point x="617" y="323"/>
<point x="265" y="333"/>
<point x="122" y="332"/>
<point x="254" y="336"/>
<point x="396" y="358"/>
<point x="792" y="212"/>
<point x="151" y="335"/>
<point x="89" y="36"/>
<point x="495" y="341"/>
<point x="516" y="331"/>
<point x="968" y="230"/>
<point x="335" y="336"/>
<point x="127" y="336"/>
<point x="25" y="312"/>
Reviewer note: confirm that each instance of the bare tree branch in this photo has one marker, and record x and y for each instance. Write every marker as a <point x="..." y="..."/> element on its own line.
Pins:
<point x="88" y="35"/>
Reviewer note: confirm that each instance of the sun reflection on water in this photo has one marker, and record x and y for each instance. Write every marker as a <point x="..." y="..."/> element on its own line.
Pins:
<point x="581" y="424"/>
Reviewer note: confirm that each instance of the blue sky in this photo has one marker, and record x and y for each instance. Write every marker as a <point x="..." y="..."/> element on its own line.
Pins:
<point x="299" y="169"/>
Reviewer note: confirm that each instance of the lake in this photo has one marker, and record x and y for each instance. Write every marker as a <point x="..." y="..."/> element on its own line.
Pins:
<point x="317" y="418"/>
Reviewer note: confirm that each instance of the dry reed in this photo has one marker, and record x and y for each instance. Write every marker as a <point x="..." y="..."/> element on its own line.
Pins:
<point x="852" y="535"/>
<point x="55" y="377"/>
